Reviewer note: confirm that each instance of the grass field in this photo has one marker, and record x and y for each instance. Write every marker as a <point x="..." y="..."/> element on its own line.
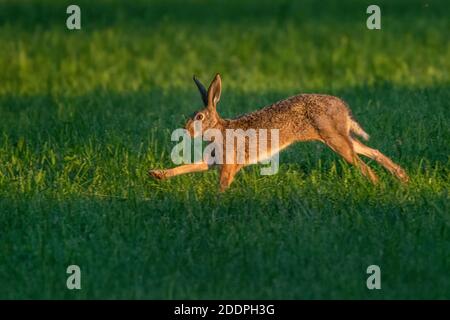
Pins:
<point x="84" y="115"/>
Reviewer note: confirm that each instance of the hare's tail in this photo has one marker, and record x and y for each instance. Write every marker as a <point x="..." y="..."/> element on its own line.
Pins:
<point x="356" y="129"/>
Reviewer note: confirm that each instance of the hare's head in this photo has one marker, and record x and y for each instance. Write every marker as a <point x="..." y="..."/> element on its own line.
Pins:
<point x="208" y="116"/>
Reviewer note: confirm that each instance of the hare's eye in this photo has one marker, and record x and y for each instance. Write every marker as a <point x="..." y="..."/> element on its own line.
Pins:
<point x="199" y="116"/>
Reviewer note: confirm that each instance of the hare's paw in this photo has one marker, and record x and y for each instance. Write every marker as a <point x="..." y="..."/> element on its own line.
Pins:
<point x="157" y="174"/>
<point x="402" y="175"/>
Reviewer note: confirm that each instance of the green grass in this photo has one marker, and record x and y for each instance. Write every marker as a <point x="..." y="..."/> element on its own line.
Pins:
<point x="85" y="114"/>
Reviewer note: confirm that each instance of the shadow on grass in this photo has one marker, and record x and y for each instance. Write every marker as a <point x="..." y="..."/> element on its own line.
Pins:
<point x="235" y="247"/>
<point x="207" y="14"/>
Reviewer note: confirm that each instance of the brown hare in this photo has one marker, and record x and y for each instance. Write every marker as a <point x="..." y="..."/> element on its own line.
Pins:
<point x="299" y="118"/>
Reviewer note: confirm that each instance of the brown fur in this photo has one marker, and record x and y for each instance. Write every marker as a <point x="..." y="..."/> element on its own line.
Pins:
<point x="299" y="118"/>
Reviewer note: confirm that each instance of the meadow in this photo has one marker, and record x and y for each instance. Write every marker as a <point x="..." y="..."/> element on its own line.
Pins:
<point x="85" y="114"/>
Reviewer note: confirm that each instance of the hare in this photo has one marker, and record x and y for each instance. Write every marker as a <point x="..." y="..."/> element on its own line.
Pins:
<point x="299" y="118"/>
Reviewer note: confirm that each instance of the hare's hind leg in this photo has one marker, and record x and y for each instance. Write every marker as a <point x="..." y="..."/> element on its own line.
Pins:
<point x="342" y="145"/>
<point x="187" y="168"/>
<point x="381" y="159"/>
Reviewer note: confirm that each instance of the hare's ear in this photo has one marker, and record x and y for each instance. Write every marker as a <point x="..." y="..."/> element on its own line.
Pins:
<point x="214" y="91"/>
<point x="202" y="90"/>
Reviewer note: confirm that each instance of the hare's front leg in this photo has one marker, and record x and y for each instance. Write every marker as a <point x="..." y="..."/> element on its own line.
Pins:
<point x="227" y="173"/>
<point x="187" y="168"/>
